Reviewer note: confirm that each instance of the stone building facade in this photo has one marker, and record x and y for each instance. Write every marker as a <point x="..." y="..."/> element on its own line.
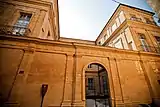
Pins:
<point x="33" y="55"/>
<point x="132" y="29"/>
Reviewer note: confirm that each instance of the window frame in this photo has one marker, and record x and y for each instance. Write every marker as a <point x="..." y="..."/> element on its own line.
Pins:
<point x="119" y="40"/>
<point x="90" y="83"/>
<point x="20" y="27"/>
<point x="19" y="18"/>
<point x="90" y="66"/>
<point x="121" y="16"/>
<point x="143" y="41"/>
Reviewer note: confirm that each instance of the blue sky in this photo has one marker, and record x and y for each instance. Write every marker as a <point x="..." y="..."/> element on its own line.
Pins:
<point x="84" y="19"/>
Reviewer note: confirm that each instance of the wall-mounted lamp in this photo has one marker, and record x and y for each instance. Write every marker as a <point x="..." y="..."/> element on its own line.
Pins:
<point x="44" y="89"/>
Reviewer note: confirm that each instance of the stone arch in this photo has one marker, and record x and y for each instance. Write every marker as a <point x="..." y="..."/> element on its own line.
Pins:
<point x="83" y="76"/>
<point x="97" y="62"/>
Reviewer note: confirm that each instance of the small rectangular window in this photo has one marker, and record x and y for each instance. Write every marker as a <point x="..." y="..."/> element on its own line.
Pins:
<point x="90" y="84"/>
<point x="23" y="20"/>
<point x="114" y="27"/>
<point x="104" y="83"/>
<point x="119" y="44"/>
<point x="144" y="44"/>
<point x="90" y="66"/>
<point x="118" y="21"/>
<point x="108" y="32"/>
<point x="122" y="17"/>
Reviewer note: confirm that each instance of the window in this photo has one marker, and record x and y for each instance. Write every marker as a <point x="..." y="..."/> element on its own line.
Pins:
<point x="119" y="44"/>
<point x="158" y="40"/>
<point x="144" y="44"/>
<point x="21" y="24"/>
<point x="114" y="27"/>
<point x="104" y="83"/>
<point x="23" y="20"/>
<point x="108" y="32"/>
<point x="121" y="17"/>
<point x="148" y="21"/>
<point x="90" y="84"/>
<point x="133" y="17"/>
<point x="90" y="66"/>
<point x="118" y="22"/>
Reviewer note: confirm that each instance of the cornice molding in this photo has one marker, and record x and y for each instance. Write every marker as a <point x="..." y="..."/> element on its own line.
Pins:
<point x="33" y="2"/>
<point x="37" y="2"/>
<point x="38" y="42"/>
<point x="142" y="25"/>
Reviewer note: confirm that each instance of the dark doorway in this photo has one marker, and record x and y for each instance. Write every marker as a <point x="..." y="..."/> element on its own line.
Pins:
<point x="97" y="87"/>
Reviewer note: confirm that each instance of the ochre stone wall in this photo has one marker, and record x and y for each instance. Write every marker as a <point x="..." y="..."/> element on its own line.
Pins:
<point x="10" y="60"/>
<point x="133" y="82"/>
<point x="27" y="63"/>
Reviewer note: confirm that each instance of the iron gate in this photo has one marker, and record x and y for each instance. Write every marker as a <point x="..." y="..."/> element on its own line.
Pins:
<point x="97" y="90"/>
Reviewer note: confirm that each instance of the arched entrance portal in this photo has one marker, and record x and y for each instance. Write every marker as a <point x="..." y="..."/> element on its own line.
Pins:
<point x="97" y="86"/>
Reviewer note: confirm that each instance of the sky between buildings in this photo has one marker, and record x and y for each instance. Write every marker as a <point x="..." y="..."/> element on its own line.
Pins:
<point x="84" y="19"/>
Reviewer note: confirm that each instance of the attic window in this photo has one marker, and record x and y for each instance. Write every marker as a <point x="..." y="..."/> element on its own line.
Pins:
<point x="148" y="21"/>
<point x="133" y="17"/>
